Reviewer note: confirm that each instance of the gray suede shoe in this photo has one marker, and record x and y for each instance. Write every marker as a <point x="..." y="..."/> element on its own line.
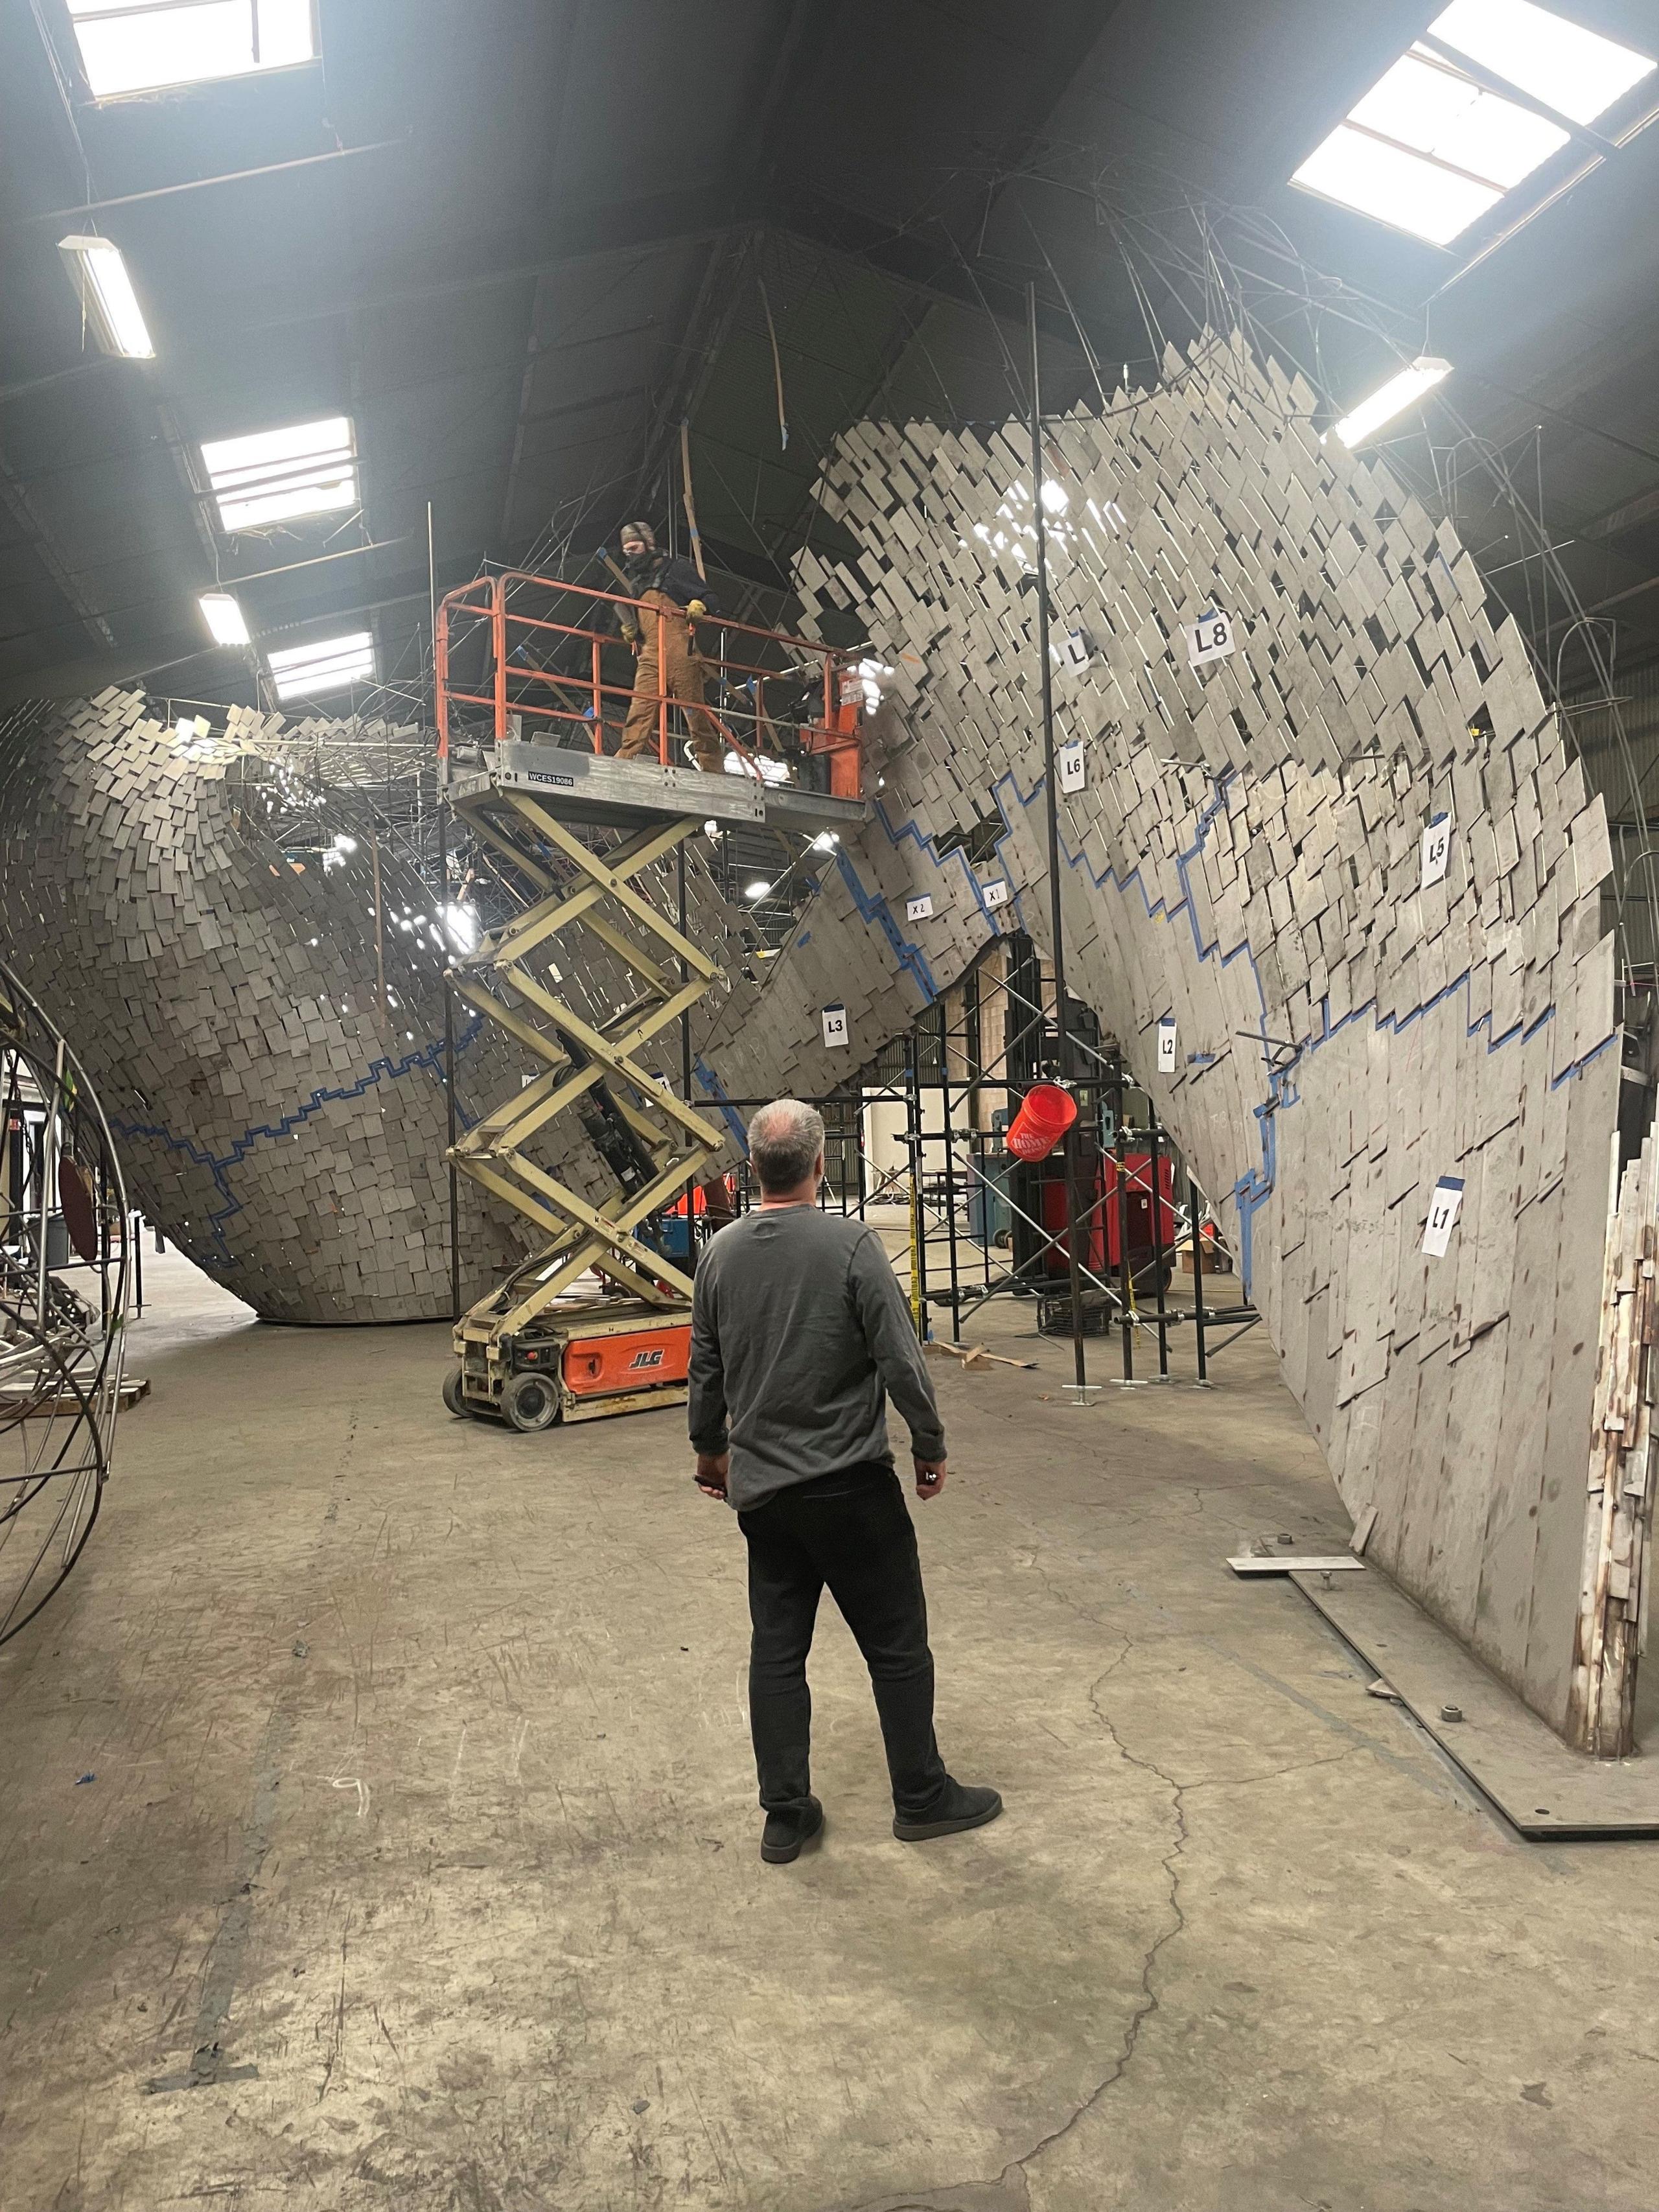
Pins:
<point x="786" y="1835"/>
<point x="961" y="1806"/>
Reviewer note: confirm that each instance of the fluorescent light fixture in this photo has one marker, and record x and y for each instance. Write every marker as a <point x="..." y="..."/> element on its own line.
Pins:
<point x="825" y="841"/>
<point x="1430" y="150"/>
<point x="756" y="890"/>
<point x="142" y="45"/>
<point x="463" y="926"/>
<point x="99" y="274"/>
<point x="278" y="476"/>
<point x="302" y="671"/>
<point x="224" y="618"/>
<point x="1392" y="398"/>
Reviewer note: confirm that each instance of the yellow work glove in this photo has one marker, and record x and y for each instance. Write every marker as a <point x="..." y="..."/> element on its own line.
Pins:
<point x="696" y="610"/>
<point x="630" y="631"/>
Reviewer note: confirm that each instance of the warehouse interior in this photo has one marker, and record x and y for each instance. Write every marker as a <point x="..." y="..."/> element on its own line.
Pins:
<point x="1167" y="505"/>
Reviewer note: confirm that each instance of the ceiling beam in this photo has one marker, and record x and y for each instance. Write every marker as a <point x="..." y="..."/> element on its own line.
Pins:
<point x="15" y="498"/>
<point x="597" y="234"/>
<point x="921" y="262"/>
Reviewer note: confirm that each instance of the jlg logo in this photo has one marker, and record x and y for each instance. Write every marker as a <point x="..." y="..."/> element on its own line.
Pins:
<point x="645" y="1359"/>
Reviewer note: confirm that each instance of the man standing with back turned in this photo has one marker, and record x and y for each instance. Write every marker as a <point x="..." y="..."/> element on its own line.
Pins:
<point x="798" y="1323"/>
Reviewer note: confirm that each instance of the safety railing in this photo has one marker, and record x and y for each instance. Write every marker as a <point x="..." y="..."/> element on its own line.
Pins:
<point x="514" y="651"/>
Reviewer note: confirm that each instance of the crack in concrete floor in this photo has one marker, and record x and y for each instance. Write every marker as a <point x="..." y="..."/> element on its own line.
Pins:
<point x="1010" y="2192"/>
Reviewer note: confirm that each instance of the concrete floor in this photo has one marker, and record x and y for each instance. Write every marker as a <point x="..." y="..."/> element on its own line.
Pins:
<point x="421" y="1787"/>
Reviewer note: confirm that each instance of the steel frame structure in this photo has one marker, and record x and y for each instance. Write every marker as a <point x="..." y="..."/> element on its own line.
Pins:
<point x="951" y="1268"/>
<point x="63" y="1216"/>
<point x="511" y="980"/>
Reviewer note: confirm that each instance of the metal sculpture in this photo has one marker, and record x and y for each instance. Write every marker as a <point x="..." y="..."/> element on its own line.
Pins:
<point x="63" y="1279"/>
<point x="1318" y="817"/>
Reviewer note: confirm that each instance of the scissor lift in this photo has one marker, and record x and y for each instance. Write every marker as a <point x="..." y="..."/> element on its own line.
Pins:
<point x="579" y="830"/>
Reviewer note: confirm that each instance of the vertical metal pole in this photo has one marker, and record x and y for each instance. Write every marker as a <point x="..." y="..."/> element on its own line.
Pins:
<point x="1154" y="1168"/>
<point x="499" y="627"/>
<point x="918" y="1224"/>
<point x="662" y="682"/>
<point x="1198" y="1277"/>
<point x="44" y="1174"/>
<point x="685" y="1018"/>
<point x="949" y="1169"/>
<point x="380" y="924"/>
<point x="498" y="640"/>
<point x="1062" y="1021"/>
<point x="689" y="1193"/>
<point x="103" y="1243"/>
<point x="1125" y="1284"/>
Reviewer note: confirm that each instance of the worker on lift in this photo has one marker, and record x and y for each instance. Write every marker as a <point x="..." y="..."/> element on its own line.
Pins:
<point x="660" y="634"/>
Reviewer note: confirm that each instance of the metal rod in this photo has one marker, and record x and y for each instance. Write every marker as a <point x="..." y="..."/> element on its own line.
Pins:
<point x="203" y="184"/>
<point x="44" y="1175"/>
<point x="1198" y="1276"/>
<point x="918" y="1227"/>
<point x="379" y="923"/>
<point x="685" y="1018"/>
<point x="1153" y="1163"/>
<point x="949" y="1168"/>
<point x="1125" y="1283"/>
<point x="1062" y="1024"/>
<point x="443" y="931"/>
<point x="316" y="561"/>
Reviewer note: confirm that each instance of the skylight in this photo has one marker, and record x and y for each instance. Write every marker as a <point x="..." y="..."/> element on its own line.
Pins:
<point x="1429" y="149"/>
<point x="276" y="475"/>
<point x="302" y="671"/>
<point x="141" y="45"/>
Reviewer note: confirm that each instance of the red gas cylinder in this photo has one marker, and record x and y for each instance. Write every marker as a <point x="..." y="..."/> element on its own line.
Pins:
<point x="1048" y="1113"/>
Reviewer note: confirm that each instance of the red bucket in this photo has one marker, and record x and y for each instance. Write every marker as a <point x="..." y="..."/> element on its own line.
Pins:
<point x="1048" y="1113"/>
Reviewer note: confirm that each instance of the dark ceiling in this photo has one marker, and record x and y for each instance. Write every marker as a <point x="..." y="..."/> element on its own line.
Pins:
<point x="573" y="218"/>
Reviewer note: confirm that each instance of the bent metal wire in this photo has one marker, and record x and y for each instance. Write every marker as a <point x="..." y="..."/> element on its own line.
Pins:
<point x="65" y="1251"/>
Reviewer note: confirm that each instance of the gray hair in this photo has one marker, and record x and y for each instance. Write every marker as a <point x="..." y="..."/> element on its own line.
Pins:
<point x="784" y="1139"/>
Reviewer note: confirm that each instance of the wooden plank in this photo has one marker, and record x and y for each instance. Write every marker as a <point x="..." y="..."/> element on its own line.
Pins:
<point x="1286" y="1563"/>
<point x="1557" y="1562"/>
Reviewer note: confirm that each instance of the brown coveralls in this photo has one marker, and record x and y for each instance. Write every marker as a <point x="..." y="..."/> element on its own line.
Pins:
<point x="667" y="663"/>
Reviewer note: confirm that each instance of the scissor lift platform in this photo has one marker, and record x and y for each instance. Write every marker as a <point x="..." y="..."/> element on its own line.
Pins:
<point x="581" y="785"/>
<point x="577" y="831"/>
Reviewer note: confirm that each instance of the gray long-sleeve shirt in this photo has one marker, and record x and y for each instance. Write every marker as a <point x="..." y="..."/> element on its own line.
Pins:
<point x="798" y="1333"/>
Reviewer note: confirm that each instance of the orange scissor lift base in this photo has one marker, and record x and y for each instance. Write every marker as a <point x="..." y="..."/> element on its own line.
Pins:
<point x="602" y="1357"/>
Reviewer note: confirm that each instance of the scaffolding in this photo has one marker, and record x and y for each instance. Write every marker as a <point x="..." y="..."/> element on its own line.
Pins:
<point x="596" y="1321"/>
<point x="923" y="1129"/>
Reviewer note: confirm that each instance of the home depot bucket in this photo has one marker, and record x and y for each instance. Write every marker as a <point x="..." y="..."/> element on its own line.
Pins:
<point x="1048" y="1113"/>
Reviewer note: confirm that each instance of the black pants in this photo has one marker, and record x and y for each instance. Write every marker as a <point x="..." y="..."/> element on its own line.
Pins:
<point x="853" y="1531"/>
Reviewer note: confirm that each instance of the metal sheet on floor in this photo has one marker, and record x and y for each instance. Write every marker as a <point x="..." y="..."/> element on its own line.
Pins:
<point x="1533" y="1778"/>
